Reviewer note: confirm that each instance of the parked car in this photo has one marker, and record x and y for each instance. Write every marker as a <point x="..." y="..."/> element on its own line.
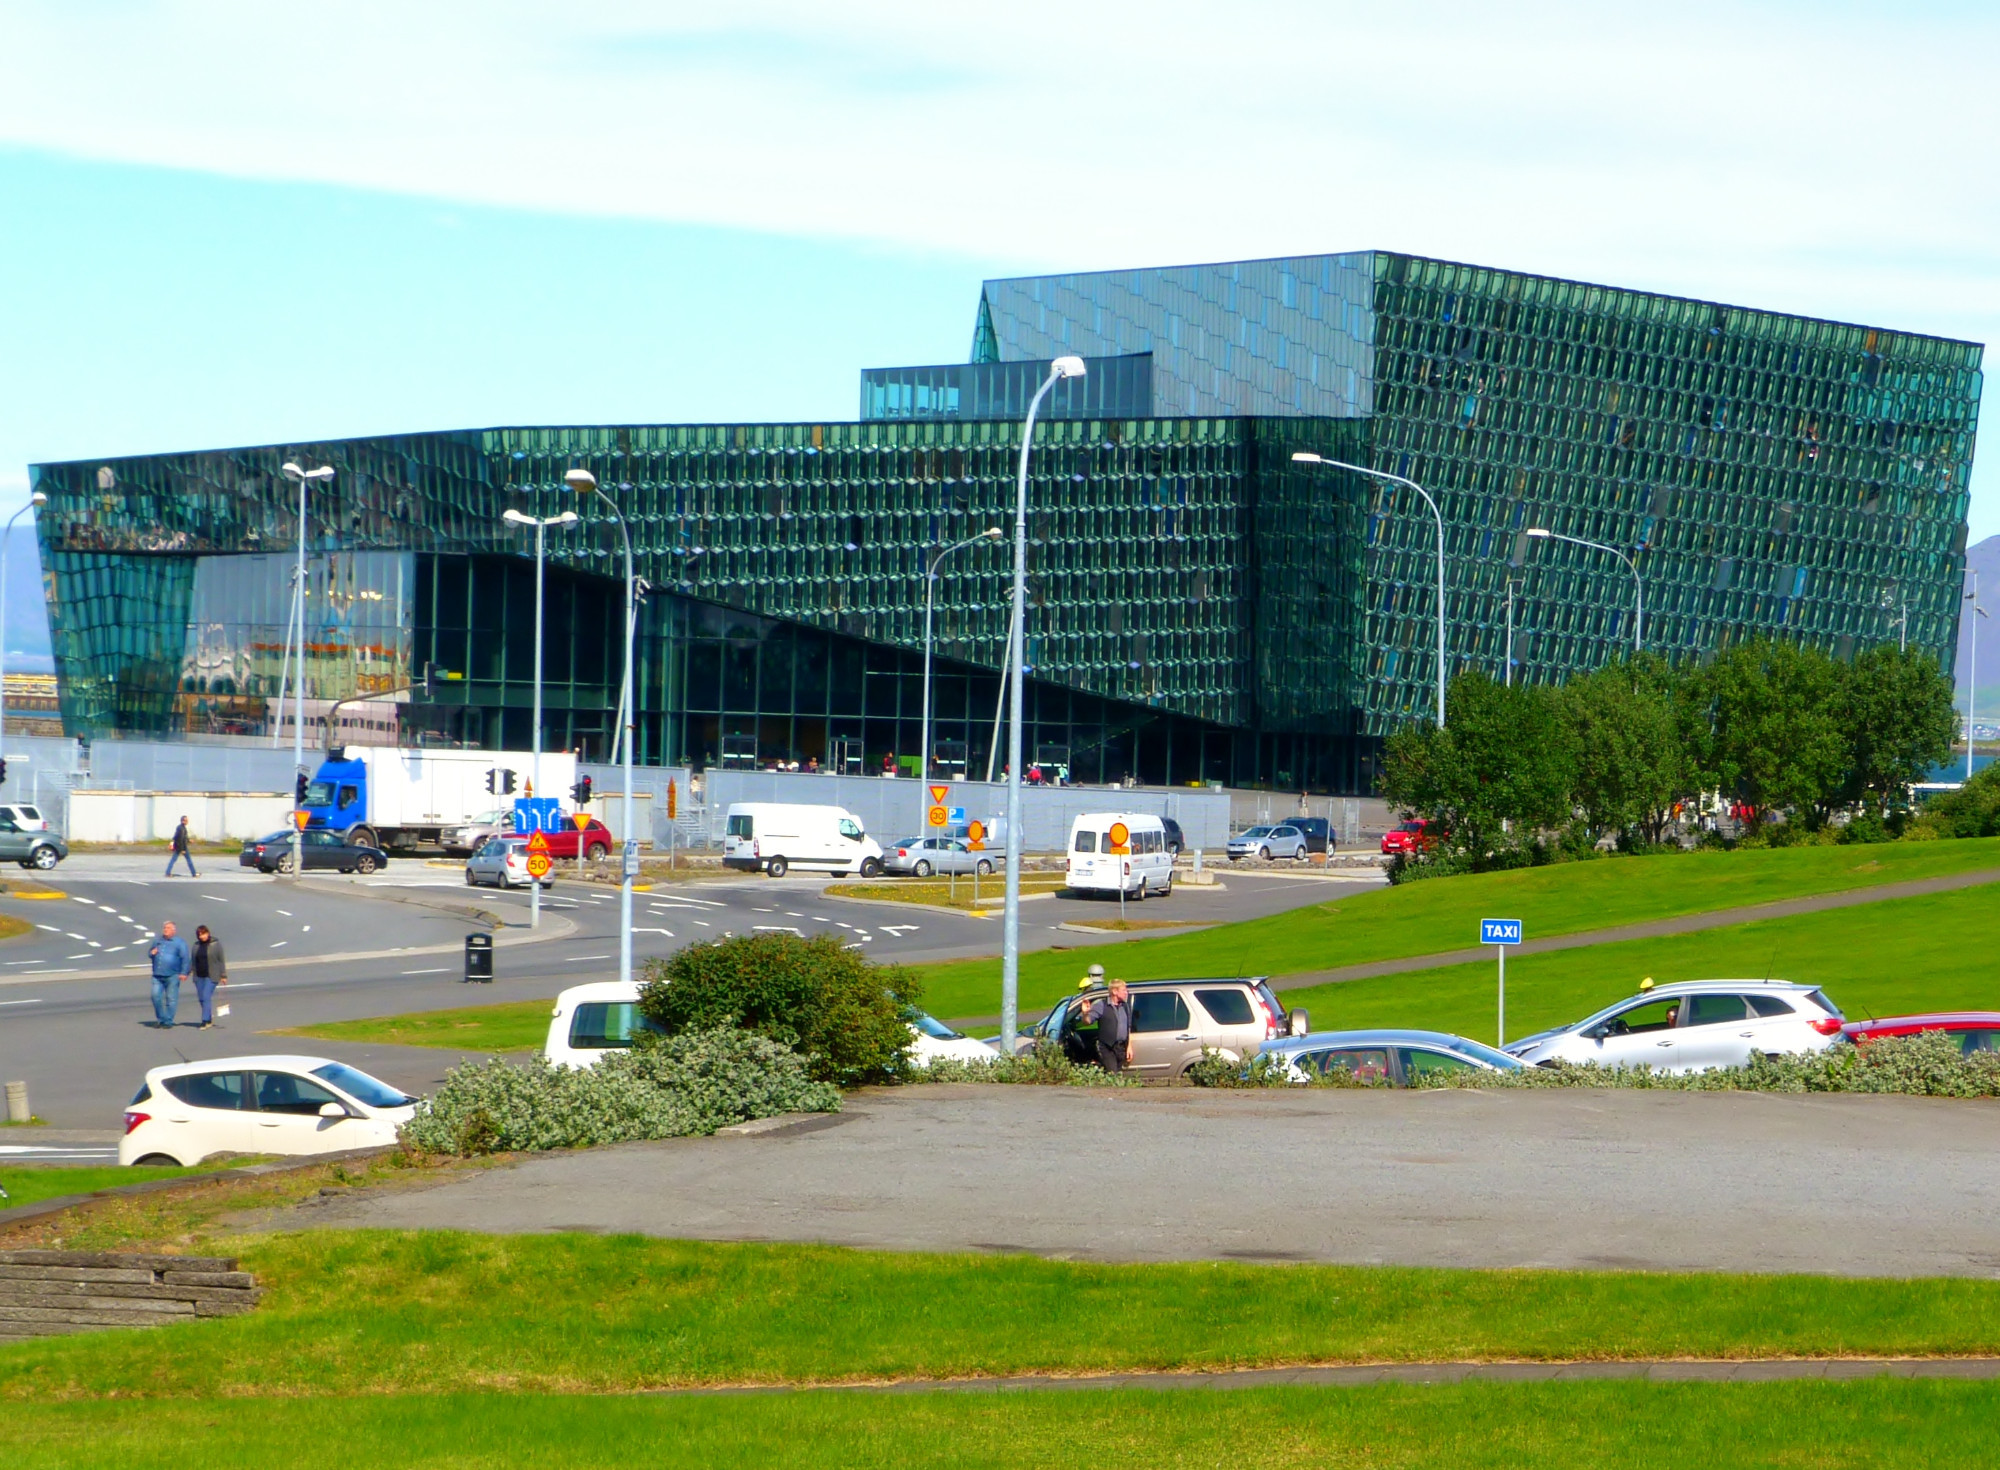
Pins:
<point x="1144" y="867"/>
<point x="503" y="863"/>
<point x="1173" y="1022"/>
<point x="922" y="856"/>
<point x="776" y="837"/>
<point x="31" y="847"/>
<point x="595" y="839"/>
<point x="1410" y="837"/>
<point x="1974" y="1031"/>
<point x="326" y="850"/>
<point x="1281" y="841"/>
<point x="1692" y="1026"/>
<point x="1319" y="833"/>
<point x="468" y="839"/>
<point x="1176" y="843"/>
<point x="27" y="817"/>
<point x="192" y="1111"/>
<point x="934" y="1039"/>
<point x="1389" y="1058"/>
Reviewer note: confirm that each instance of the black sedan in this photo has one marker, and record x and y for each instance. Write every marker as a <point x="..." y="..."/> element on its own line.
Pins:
<point x="273" y="854"/>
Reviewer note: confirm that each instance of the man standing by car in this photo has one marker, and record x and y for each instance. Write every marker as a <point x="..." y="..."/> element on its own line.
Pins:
<point x="183" y="851"/>
<point x="169" y="955"/>
<point x="1113" y="1015"/>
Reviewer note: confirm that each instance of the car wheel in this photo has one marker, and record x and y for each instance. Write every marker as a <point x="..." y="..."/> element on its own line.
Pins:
<point x="983" y="868"/>
<point x="505" y="880"/>
<point x="921" y="870"/>
<point x="44" y="858"/>
<point x="157" y="1161"/>
<point x="1139" y="895"/>
<point x="1299" y="856"/>
<point x="1264" y="853"/>
<point x="285" y="863"/>
<point x="362" y="837"/>
<point x="776" y="867"/>
<point x="871" y="868"/>
<point x="1167" y="888"/>
<point x="595" y="851"/>
<point x="365" y="864"/>
<point x="470" y="881"/>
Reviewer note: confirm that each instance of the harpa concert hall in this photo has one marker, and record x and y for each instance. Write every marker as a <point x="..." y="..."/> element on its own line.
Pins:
<point x="1201" y="606"/>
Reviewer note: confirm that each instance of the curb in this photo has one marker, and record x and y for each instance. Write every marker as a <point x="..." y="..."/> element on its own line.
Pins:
<point x="23" y="1213"/>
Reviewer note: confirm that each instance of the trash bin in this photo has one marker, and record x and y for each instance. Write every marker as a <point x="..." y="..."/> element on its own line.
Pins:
<point x="479" y="957"/>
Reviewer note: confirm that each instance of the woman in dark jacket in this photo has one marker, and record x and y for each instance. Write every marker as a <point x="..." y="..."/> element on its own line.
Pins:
<point x="210" y="970"/>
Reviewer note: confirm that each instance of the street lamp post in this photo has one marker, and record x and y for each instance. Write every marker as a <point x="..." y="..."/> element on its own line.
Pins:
<point x="1972" y="671"/>
<point x="38" y="498"/>
<point x="1010" y="938"/>
<point x="1541" y="533"/>
<point x="541" y="525"/>
<point x="292" y="471"/>
<point x="1436" y="515"/>
<point x="992" y="533"/>
<point x="1507" y="673"/>
<point x="583" y="481"/>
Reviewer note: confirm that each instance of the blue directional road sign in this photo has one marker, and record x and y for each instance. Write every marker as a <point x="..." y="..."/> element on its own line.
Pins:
<point x="1499" y="931"/>
<point x="537" y="814"/>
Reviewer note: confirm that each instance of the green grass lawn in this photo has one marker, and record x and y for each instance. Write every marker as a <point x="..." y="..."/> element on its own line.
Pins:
<point x="1443" y="914"/>
<point x="515" y="1025"/>
<point x="30" y="1185"/>
<point x="1934" y="952"/>
<point x="381" y="1312"/>
<point x="1606" y="1426"/>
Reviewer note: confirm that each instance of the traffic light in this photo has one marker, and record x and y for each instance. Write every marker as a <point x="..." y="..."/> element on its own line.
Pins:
<point x="3" y="770"/>
<point x="581" y="791"/>
<point x="506" y="782"/>
<point x="299" y="790"/>
<point x="493" y="780"/>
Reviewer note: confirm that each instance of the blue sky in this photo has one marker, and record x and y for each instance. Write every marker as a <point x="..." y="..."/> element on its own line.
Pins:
<point x="224" y="223"/>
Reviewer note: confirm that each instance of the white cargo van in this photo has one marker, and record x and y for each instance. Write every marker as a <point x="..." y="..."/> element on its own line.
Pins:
<point x="1146" y="865"/>
<point x="776" y="837"/>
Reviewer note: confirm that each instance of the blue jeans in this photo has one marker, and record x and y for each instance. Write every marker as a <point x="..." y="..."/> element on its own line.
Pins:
<point x="181" y="857"/>
<point x="166" y="997"/>
<point x="204" y="990"/>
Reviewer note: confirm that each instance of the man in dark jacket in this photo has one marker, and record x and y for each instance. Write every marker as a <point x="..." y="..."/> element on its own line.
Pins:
<point x="183" y="852"/>
<point x="1113" y="1015"/>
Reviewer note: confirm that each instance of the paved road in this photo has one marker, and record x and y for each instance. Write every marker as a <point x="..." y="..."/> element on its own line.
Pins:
<point x="1588" y="1180"/>
<point x="74" y="995"/>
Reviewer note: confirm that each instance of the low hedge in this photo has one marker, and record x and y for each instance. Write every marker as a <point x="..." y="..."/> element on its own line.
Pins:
<point x="1044" y="1066"/>
<point x="666" y="1087"/>
<point x="1929" y="1064"/>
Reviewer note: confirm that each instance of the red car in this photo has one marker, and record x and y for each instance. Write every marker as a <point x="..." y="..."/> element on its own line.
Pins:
<point x="596" y="840"/>
<point x="1975" y="1031"/>
<point x="1410" y="837"/>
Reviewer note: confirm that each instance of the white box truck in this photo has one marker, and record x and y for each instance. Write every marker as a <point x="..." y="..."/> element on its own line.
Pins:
<point x="393" y="799"/>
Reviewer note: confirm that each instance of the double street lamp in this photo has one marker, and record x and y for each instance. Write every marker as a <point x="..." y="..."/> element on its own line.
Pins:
<point x="294" y="472"/>
<point x="989" y="535"/>
<point x="1541" y="533"/>
<point x="1972" y="669"/>
<point x="541" y="525"/>
<point x="1335" y="464"/>
<point x="1010" y="938"/>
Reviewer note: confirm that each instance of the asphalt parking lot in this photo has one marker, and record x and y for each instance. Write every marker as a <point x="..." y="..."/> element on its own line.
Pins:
<point x="1840" y="1185"/>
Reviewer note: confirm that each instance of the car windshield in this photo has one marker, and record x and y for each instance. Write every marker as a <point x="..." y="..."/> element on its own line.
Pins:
<point x="1482" y="1052"/>
<point x="932" y="1027"/>
<point x="909" y="842"/>
<point x="1259" y="832"/>
<point x="319" y="793"/>
<point x="1819" y="998"/>
<point x="361" y="1087"/>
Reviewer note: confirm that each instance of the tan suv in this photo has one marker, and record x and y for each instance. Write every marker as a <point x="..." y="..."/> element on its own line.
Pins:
<point x="1174" y="1021"/>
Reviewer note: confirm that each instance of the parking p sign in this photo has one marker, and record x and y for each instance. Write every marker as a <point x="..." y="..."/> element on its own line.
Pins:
<point x="1500" y="933"/>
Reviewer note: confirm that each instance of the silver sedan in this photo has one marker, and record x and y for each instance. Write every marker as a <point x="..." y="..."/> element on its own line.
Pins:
<point x="920" y="857"/>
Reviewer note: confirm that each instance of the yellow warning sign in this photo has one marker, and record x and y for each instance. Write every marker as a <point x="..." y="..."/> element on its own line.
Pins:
<point x="938" y="795"/>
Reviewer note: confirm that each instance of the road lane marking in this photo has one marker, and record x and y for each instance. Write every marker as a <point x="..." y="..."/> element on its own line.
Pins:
<point x="209" y="896"/>
<point x="84" y="956"/>
<point x="440" y="970"/>
<point x="68" y="935"/>
<point x="19" y="1002"/>
<point x="286" y="912"/>
<point x="704" y="923"/>
<point x="27" y="962"/>
<point x="91" y="901"/>
<point x="777" y="929"/>
<point x="790" y="915"/>
<point x="668" y="932"/>
<point x="307" y="930"/>
<point x="281" y="944"/>
<point x="50" y="927"/>
<point x="576" y="959"/>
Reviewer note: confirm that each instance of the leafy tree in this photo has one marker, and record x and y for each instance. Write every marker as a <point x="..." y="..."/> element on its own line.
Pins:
<point x="1900" y="723"/>
<point x="1504" y="756"/>
<point x="1778" y="732"/>
<point x="1971" y="811"/>
<point x="843" y="1014"/>
<point x="1634" y="753"/>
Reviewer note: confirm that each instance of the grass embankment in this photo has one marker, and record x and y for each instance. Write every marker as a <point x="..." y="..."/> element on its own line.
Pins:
<point x="27" y="1186"/>
<point x="514" y="1025"/>
<point x="1606" y="1426"/>
<point x="1440" y="915"/>
<point x="1933" y="952"/>
<point x="381" y="1312"/>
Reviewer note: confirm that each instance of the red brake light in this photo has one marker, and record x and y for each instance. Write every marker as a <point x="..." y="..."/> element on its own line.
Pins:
<point x="133" y="1120"/>
<point x="1826" y="1025"/>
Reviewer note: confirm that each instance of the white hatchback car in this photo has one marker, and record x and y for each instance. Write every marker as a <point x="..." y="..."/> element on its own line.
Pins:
<point x="258" y="1105"/>
<point x="1692" y="1026"/>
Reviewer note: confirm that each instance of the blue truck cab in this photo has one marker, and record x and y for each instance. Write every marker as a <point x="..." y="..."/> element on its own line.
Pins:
<point x="337" y="797"/>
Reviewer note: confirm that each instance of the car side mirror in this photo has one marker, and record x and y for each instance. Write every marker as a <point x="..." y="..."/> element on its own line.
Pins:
<point x="333" y="1110"/>
<point x="1299" y="1023"/>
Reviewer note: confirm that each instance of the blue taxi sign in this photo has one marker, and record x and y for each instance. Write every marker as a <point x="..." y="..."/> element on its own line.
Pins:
<point x="1499" y="931"/>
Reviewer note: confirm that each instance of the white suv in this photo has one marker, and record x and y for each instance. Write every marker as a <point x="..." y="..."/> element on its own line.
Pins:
<point x="1692" y="1026"/>
<point x="27" y="818"/>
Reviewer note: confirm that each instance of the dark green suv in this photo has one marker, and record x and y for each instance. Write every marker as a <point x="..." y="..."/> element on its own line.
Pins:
<point x="31" y="849"/>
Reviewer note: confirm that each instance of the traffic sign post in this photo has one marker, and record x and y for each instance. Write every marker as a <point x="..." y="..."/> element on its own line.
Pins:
<point x="582" y="820"/>
<point x="538" y="855"/>
<point x="1121" y="843"/>
<point x="939" y="814"/>
<point x="1501" y="933"/>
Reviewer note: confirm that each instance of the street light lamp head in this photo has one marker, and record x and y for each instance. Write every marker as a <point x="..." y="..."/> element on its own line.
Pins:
<point x="993" y="533"/>
<point x="324" y="472"/>
<point x="1540" y="533"/>
<point x="1067" y="367"/>
<point x="38" y="498"/>
<point x="517" y="517"/>
<point x="567" y="518"/>
<point x="581" y="481"/>
<point x="1305" y="456"/>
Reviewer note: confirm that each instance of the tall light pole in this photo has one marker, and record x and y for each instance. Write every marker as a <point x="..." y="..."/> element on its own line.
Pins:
<point x="584" y="482"/>
<point x="292" y="471"/>
<point x="541" y="525"/>
<point x="1541" y="533"/>
<point x="6" y="541"/>
<point x="991" y="533"/>
<point x="1010" y="938"/>
<point x="1972" y="670"/>
<point x="1436" y="515"/>
<point x="1507" y="673"/>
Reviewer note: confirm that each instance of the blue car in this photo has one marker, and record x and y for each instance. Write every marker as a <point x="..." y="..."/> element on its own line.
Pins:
<point x="1388" y="1058"/>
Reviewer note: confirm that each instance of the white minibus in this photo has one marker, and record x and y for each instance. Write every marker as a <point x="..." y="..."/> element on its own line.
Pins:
<point x="1146" y="865"/>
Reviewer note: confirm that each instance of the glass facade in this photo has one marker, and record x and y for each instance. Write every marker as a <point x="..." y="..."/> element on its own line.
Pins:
<point x="1201" y="607"/>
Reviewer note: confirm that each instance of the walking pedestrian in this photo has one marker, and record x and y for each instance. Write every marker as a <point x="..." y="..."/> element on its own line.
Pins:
<point x="210" y="969"/>
<point x="1113" y="1015"/>
<point x="169" y="955"/>
<point x="183" y="851"/>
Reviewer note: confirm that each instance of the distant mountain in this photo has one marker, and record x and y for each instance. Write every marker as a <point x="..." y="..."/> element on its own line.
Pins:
<point x="1985" y="560"/>
<point x="27" y="613"/>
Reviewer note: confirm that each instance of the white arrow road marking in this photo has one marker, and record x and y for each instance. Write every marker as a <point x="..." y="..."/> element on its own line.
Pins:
<point x="668" y="932"/>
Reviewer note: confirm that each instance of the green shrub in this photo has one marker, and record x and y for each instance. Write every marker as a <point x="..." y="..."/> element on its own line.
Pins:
<point x="1929" y="1064"/>
<point x="668" y="1087"/>
<point x="1971" y="811"/>
<point x="1044" y="1066"/>
<point x="835" y="1009"/>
